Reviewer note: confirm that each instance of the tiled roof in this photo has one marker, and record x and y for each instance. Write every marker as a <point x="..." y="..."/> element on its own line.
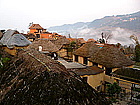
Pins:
<point x="92" y="40"/>
<point x="35" y="26"/>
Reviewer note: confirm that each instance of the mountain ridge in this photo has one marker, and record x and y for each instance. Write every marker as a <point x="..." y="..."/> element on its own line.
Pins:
<point x="119" y="25"/>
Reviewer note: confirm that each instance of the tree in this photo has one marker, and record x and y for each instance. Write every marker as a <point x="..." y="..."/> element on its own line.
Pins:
<point x="1" y="64"/>
<point x="118" y="45"/>
<point x="137" y="53"/>
<point x="101" y="40"/>
<point x="137" y="47"/>
<point x="72" y="44"/>
<point x="105" y="37"/>
<point x="113" y="89"/>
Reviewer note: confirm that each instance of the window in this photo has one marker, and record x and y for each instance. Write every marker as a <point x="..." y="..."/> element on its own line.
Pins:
<point x="103" y="67"/>
<point x="95" y="64"/>
<point x="38" y="35"/>
<point x="85" y="60"/>
<point x="85" y="79"/>
<point x="108" y="71"/>
<point x="76" y="58"/>
<point x="40" y="48"/>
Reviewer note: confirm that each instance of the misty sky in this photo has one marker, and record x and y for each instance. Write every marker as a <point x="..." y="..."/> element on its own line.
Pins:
<point x="17" y="14"/>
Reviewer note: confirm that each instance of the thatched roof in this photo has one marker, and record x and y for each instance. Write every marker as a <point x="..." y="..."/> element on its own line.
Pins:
<point x="30" y="36"/>
<point x="111" y="57"/>
<point x="128" y="73"/>
<point x="17" y="40"/>
<point x="27" y="80"/>
<point x="61" y="41"/>
<point x="46" y="45"/>
<point x="77" y="40"/>
<point x="8" y="34"/>
<point x="87" y="50"/>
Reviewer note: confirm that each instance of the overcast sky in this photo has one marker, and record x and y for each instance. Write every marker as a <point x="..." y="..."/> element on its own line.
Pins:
<point x="17" y="14"/>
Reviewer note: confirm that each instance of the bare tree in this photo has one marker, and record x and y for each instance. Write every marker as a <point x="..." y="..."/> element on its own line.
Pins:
<point x="106" y="36"/>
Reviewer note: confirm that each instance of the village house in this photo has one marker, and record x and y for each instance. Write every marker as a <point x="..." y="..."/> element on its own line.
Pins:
<point x="110" y="59"/>
<point x="62" y="44"/>
<point x="40" y="32"/>
<point x="93" y="75"/>
<point x="91" y="39"/>
<point x="45" y="46"/>
<point x="31" y="37"/>
<point x="12" y="40"/>
<point x="78" y="41"/>
<point x="128" y="79"/>
<point x="100" y="45"/>
<point x="83" y="54"/>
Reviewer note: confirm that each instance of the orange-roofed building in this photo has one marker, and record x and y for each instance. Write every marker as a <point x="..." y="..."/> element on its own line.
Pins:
<point x="81" y="40"/>
<point x="77" y="40"/>
<point x="92" y="40"/>
<point x="71" y="39"/>
<point x="40" y="32"/>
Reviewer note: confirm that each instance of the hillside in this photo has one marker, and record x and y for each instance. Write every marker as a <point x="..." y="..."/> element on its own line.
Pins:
<point x="121" y="26"/>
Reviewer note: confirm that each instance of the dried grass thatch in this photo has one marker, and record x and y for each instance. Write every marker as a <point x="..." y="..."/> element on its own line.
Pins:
<point x="27" y="80"/>
<point x="61" y="41"/>
<point x="8" y="34"/>
<point x="129" y="74"/>
<point x="46" y="45"/>
<point x="18" y="40"/>
<point x="111" y="57"/>
<point x="87" y="50"/>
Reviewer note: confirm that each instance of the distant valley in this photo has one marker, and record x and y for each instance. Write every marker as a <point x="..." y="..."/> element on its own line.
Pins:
<point x="120" y="26"/>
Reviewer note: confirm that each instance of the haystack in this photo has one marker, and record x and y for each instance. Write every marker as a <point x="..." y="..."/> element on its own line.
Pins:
<point x="87" y="50"/>
<point x="111" y="57"/>
<point x="46" y="45"/>
<point x="33" y="78"/>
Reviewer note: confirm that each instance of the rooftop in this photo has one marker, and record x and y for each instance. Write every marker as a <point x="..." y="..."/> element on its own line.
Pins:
<point x="111" y="57"/>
